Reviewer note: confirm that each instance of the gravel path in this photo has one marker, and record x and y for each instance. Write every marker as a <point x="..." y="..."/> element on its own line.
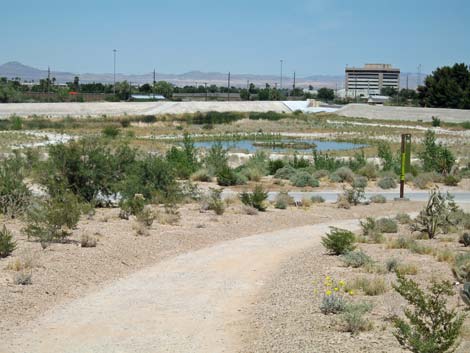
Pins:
<point x="196" y="302"/>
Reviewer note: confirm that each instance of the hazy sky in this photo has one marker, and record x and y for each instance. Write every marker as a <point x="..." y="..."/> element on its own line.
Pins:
<point x="241" y="36"/>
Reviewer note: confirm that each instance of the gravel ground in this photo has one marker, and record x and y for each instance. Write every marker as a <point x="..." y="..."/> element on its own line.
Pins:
<point x="64" y="272"/>
<point x="286" y="316"/>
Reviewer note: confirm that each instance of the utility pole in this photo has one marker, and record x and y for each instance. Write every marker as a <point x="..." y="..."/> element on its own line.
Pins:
<point x="293" y="85"/>
<point x="48" y="80"/>
<point x="407" y="81"/>
<point x="281" y="75"/>
<point x="205" y="88"/>
<point x="114" y="72"/>
<point x="419" y="76"/>
<point x="154" y="82"/>
<point x="228" y="87"/>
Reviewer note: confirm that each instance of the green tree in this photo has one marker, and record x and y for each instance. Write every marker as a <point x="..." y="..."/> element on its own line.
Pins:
<point x="326" y="94"/>
<point x="164" y="88"/>
<point x="436" y="157"/>
<point x="447" y="87"/>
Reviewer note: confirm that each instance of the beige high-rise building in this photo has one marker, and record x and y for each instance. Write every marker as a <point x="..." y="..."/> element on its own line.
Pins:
<point x="369" y="80"/>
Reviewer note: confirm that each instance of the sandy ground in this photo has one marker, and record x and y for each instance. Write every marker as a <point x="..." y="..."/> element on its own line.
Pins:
<point x="403" y="113"/>
<point x="65" y="272"/>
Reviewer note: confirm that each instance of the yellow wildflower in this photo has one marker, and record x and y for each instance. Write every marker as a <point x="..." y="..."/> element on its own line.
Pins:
<point x="328" y="293"/>
<point x="342" y="283"/>
<point x="351" y="292"/>
<point x="336" y="289"/>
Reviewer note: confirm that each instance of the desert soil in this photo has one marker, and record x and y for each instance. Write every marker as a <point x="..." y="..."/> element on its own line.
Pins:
<point x="66" y="272"/>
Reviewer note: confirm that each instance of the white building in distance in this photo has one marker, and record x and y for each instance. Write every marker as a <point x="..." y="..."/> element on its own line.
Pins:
<point x="369" y="80"/>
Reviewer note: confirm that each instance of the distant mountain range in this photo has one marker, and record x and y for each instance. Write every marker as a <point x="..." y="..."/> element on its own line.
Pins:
<point x="15" y="69"/>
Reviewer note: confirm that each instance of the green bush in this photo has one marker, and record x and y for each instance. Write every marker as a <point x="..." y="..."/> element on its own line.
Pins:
<point x="387" y="182"/>
<point x="370" y="287"/>
<point x="353" y="195"/>
<point x="111" y="132"/>
<point x="423" y="180"/>
<point x="429" y="326"/>
<point x="216" y="158"/>
<point x="256" y="199"/>
<point x="201" y="175"/>
<point x="303" y="179"/>
<point x="283" y="200"/>
<point x="369" y="171"/>
<point x="332" y="304"/>
<point x="132" y="206"/>
<point x="339" y="241"/>
<point x="451" y="180"/>
<point x="14" y="194"/>
<point x="146" y="217"/>
<point x="353" y="317"/>
<point x="465" y="239"/>
<point x="403" y="218"/>
<point x="392" y="264"/>
<point x="461" y="268"/>
<point x="53" y="219"/>
<point x="215" y="202"/>
<point x="7" y="244"/>
<point x="436" y="157"/>
<point x="275" y="165"/>
<point x="226" y="176"/>
<point x="183" y="160"/>
<point x="359" y="182"/>
<point x="436" y="216"/>
<point x="285" y="173"/>
<point x="356" y="259"/>
<point x="16" y="123"/>
<point x="385" y="154"/>
<point x="343" y="174"/>
<point x="387" y="225"/>
<point x="378" y="199"/>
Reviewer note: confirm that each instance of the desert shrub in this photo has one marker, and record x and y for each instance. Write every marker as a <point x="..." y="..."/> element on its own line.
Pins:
<point x="339" y="241"/>
<point x="343" y="174"/>
<point x="201" y="175"/>
<point x="436" y="157"/>
<point x="52" y="219"/>
<point x="16" y="123"/>
<point x="387" y="225"/>
<point x="342" y="202"/>
<point x="216" y="158"/>
<point x="436" y="122"/>
<point x="451" y="180"/>
<point x="378" y="199"/>
<point x="285" y="173"/>
<point x="14" y="194"/>
<point x="258" y="164"/>
<point x="110" y="132"/>
<point x="387" y="182"/>
<point x="183" y="160"/>
<point x="359" y="182"/>
<point x="23" y="278"/>
<point x="353" y="317"/>
<point x="465" y="293"/>
<point x="356" y="259"/>
<point x="304" y="178"/>
<point x="353" y="195"/>
<point x="429" y="326"/>
<point x="317" y="199"/>
<point x="406" y="269"/>
<point x="370" y="287"/>
<point x="445" y="255"/>
<point x="391" y="264"/>
<point x="283" y="200"/>
<point x="369" y="171"/>
<point x="7" y="244"/>
<point x="214" y="201"/>
<point x="87" y="241"/>
<point x="465" y="239"/>
<point x="369" y="226"/>
<point x="256" y="199"/>
<point x="403" y="218"/>
<point x="332" y="304"/>
<point x="125" y="123"/>
<point x="132" y="206"/>
<point x="384" y="152"/>
<point x="146" y="217"/>
<point x="461" y="268"/>
<point x="226" y="176"/>
<point x="319" y="174"/>
<point x="275" y="165"/>
<point x="436" y="216"/>
<point x="423" y="180"/>
<point x="401" y="243"/>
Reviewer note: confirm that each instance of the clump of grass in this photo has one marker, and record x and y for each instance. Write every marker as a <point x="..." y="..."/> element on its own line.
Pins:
<point x="87" y="241"/>
<point x="283" y="200"/>
<point x="306" y="202"/>
<point x="23" y="278"/>
<point x="387" y="182"/>
<point x="370" y="287"/>
<point x="24" y="262"/>
<point x="387" y="225"/>
<point x="317" y="199"/>
<point x="445" y="255"/>
<point x="403" y="218"/>
<point x="356" y="259"/>
<point x="7" y="244"/>
<point x="391" y="264"/>
<point x="353" y="317"/>
<point x="406" y="269"/>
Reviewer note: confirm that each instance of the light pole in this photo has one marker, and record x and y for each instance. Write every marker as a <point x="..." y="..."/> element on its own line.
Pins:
<point x="114" y="75"/>
<point x="281" y="75"/>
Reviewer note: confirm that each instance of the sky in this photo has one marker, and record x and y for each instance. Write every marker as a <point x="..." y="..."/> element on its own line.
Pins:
<point x="241" y="36"/>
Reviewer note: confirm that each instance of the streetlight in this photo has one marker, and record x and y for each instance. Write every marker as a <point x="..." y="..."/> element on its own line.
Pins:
<point x="114" y="75"/>
<point x="281" y="73"/>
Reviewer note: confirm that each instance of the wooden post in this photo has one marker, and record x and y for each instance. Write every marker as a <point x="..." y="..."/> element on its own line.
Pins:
<point x="405" y="161"/>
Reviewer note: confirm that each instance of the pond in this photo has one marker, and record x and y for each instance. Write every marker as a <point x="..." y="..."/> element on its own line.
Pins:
<point x="283" y="145"/>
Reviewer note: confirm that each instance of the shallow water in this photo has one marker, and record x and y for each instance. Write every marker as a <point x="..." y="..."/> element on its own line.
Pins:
<point x="248" y="145"/>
